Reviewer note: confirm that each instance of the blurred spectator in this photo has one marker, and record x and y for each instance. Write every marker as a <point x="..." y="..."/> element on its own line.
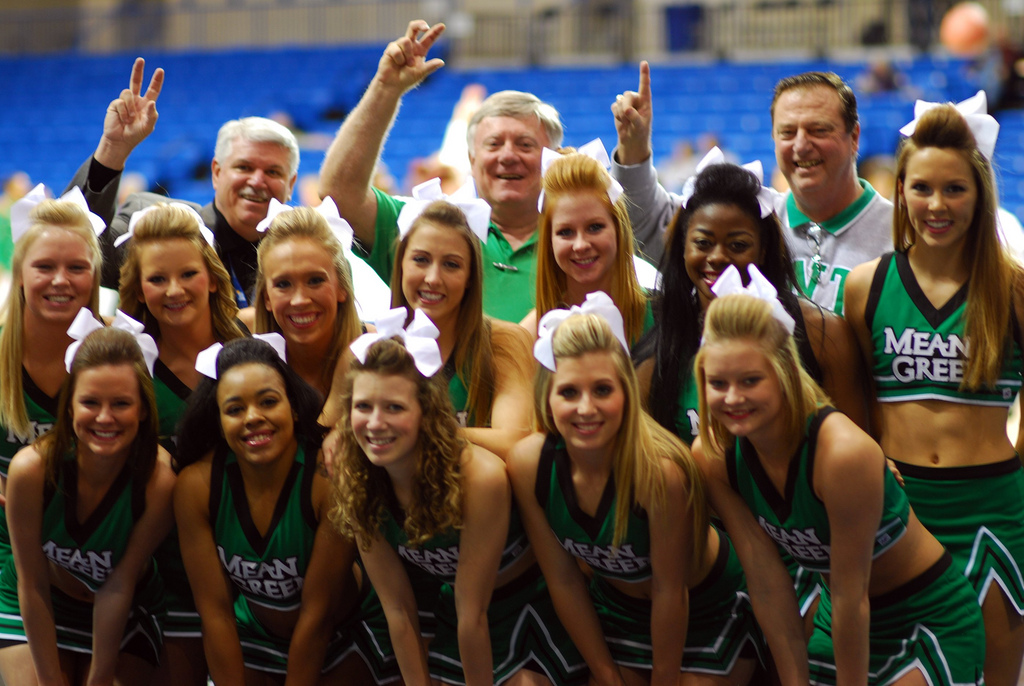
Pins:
<point x="879" y="171"/>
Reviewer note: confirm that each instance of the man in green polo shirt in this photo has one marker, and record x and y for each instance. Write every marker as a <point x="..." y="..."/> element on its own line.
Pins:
<point x="505" y="136"/>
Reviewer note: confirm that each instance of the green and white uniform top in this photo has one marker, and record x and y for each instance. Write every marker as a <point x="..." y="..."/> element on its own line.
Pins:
<point x="267" y="569"/>
<point x="89" y="550"/>
<point x="171" y="400"/>
<point x="590" y="538"/>
<point x="438" y="557"/>
<point x="508" y="272"/>
<point x="797" y="521"/>
<point x="920" y="351"/>
<point x="41" y="409"/>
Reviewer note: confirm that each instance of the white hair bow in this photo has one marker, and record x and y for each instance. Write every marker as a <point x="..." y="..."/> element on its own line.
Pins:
<point x="20" y="210"/>
<point x="85" y="323"/>
<point x="598" y="303"/>
<point x="975" y="110"/>
<point x="477" y="211"/>
<point x="768" y="199"/>
<point x="420" y="339"/>
<point x="761" y="288"/>
<point x="341" y="229"/>
<point x="136" y="216"/>
<point x="595" y="150"/>
<point x="206" y="360"/>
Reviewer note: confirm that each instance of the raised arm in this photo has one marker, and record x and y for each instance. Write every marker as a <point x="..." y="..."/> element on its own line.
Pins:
<point x="849" y="478"/>
<point x="210" y="585"/>
<point x="671" y="528"/>
<point x="511" y="414"/>
<point x="650" y="206"/>
<point x="25" y="479"/>
<point x="327" y="581"/>
<point x="565" y="581"/>
<point x="129" y="119"/>
<point x="113" y="601"/>
<point x="771" y="588"/>
<point x="348" y="167"/>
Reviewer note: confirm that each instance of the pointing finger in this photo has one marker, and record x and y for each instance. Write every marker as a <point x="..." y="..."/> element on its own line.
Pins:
<point x="156" y="84"/>
<point x="428" y="38"/>
<point x="138" y="69"/>
<point x="414" y="28"/>
<point x="645" y="82"/>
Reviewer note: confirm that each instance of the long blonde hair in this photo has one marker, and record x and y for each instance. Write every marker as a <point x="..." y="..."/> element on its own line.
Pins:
<point x="306" y="223"/>
<point x="48" y="215"/>
<point x="995" y="278"/>
<point x="166" y="223"/>
<point x="575" y="174"/>
<point x="363" y="490"/>
<point x="641" y="443"/>
<point x="746" y="318"/>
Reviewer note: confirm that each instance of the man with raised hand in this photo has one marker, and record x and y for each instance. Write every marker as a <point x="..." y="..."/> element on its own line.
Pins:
<point x="255" y="159"/>
<point x="506" y="137"/>
<point x="832" y="220"/>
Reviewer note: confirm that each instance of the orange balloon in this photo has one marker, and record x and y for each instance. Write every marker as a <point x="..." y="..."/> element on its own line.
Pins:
<point x="965" y="29"/>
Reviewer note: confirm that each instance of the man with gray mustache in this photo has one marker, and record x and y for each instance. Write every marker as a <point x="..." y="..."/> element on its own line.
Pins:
<point x="255" y="159"/>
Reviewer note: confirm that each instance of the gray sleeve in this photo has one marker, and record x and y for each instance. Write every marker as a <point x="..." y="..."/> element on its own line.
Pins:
<point x="651" y="207"/>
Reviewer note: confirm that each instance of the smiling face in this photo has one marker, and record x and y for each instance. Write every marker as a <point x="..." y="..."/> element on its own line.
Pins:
<point x="176" y="284"/>
<point x="435" y="272"/>
<point x="742" y="390"/>
<point x="57" y="277"/>
<point x="505" y="159"/>
<point x="584" y="240"/>
<point x="941" y="195"/>
<point x="587" y="403"/>
<point x="813" y="149"/>
<point x="106" y="409"/>
<point x="256" y="416"/>
<point x="386" y="417"/>
<point x="719" y="235"/>
<point x="303" y="291"/>
<point x="244" y="182"/>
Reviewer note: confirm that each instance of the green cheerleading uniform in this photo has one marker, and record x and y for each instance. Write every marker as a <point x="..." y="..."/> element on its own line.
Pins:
<point x="41" y="410"/>
<point x="974" y="511"/>
<point x="182" y="617"/>
<point x="267" y="570"/>
<point x="919" y="350"/>
<point x="458" y="393"/>
<point x="930" y="623"/>
<point x="523" y="624"/>
<point x="721" y="625"/>
<point x="89" y="551"/>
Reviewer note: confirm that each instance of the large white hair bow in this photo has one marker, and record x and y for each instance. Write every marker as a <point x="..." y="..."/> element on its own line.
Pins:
<point x="595" y="150"/>
<point x="420" y="339"/>
<point x="975" y="110"/>
<point x="136" y="216"/>
<point x="598" y="303"/>
<point x="761" y="288"/>
<point x="206" y="360"/>
<point x="477" y="211"/>
<point x="85" y="323"/>
<point x="21" y="209"/>
<point x="341" y="229"/>
<point x="768" y="199"/>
